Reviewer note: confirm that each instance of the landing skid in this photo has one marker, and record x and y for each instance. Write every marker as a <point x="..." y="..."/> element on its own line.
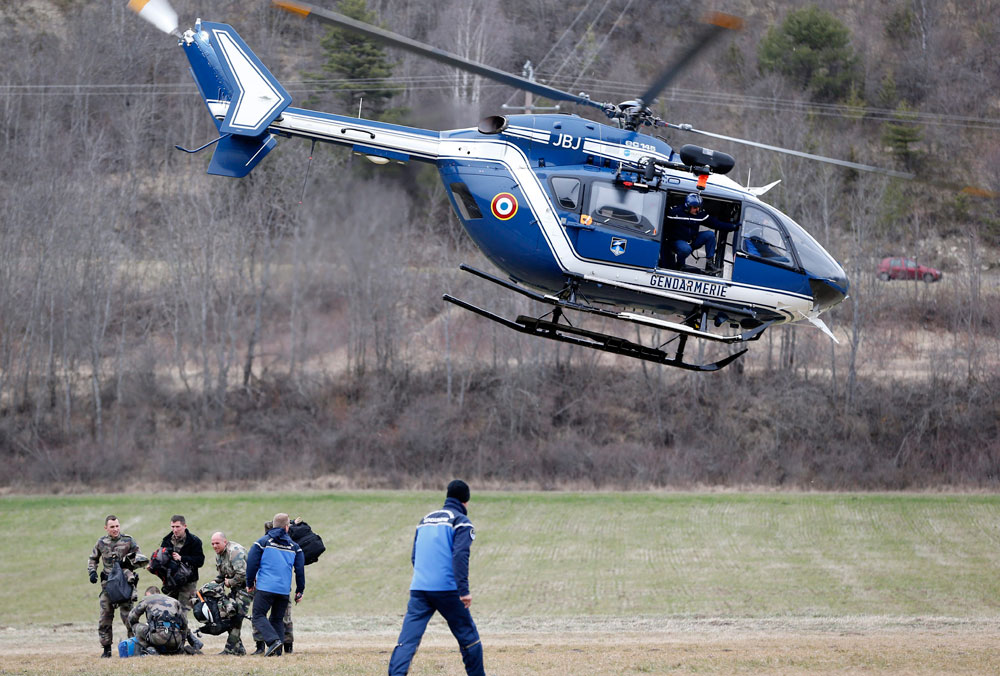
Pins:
<point x="566" y="333"/>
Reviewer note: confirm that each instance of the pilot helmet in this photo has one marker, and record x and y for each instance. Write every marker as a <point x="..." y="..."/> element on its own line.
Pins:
<point x="692" y="200"/>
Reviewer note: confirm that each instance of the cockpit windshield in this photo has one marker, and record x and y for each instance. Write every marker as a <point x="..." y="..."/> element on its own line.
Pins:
<point x="813" y="257"/>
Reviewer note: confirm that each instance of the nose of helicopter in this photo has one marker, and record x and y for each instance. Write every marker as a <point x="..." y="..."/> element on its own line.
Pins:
<point x="828" y="291"/>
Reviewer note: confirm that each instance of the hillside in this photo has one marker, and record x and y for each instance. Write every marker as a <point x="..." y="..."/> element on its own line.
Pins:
<point x="153" y="317"/>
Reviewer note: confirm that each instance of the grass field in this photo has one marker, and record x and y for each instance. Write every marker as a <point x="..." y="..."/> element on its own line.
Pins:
<point x="564" y="583"/>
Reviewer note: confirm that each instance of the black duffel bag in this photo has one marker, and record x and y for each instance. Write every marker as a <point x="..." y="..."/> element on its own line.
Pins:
<point x="118" y="588"/>
<point x="311" y="543"/>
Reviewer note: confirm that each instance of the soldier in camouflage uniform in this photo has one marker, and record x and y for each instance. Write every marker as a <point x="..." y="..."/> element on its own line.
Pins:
<point x="114" y="545"/>
<point x="289" y="636"/>
<point x="166" y="626"/>
<point x="185" y="546"/>
<point x="231" y="564"/>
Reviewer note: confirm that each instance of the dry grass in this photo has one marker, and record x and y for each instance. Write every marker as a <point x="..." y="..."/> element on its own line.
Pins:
<point x="565" y="583"/>
<point x="599" y="647"/>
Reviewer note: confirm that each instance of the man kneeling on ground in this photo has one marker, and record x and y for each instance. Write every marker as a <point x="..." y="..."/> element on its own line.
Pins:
<point x="166" y="627"/>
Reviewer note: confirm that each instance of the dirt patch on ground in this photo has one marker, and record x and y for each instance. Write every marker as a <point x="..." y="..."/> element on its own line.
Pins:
<point x="557" y="647"/>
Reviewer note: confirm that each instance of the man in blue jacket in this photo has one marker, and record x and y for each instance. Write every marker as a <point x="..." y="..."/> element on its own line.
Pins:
<point x="441" y="583"/>
<point x="683" y="233"/>
<point x="270" y="562"/>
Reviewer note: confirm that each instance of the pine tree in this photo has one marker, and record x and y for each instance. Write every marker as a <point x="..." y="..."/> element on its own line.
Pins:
<point x="362" y="62"/>
<point x="812" y="49"/>
<point x="901" y="136"/>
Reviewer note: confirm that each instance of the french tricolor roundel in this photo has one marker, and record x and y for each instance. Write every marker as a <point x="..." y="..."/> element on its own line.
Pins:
<point x="504" y="206"/>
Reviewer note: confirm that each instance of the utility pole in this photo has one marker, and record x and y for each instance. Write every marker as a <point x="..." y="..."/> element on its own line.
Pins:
<point x="528" y="72"/>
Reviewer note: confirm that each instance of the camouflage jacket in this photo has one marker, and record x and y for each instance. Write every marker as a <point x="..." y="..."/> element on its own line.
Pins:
<point x="232" y="567"/>
<point x="161" y="612"/>
<point x="124" y="547"/>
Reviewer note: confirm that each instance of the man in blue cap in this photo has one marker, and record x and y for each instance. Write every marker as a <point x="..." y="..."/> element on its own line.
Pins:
<point x="441" y="583"/>
<point x="683" y="234"/>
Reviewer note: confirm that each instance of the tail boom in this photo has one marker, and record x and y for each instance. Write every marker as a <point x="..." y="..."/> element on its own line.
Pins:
<point x="251" y="108"/>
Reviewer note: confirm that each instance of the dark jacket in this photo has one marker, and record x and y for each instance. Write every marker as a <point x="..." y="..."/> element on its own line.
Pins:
<point x="271" y="560"/>
<point x="191" y="553"/>
<point x="681" y="225"/>
<point x="441" y="550"/>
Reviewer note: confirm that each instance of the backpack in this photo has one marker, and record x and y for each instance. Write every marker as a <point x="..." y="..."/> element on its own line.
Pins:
<point x="118" y="588"/>
<point x="174" y="574"/>
<point x="129" y="647"/>
<point x="310" y="543"/>
<point x="207" y="612"/>
<point x="209" y="609"/>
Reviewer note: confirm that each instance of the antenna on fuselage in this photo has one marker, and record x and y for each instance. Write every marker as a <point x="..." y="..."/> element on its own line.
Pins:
<point x="528" y="72"/>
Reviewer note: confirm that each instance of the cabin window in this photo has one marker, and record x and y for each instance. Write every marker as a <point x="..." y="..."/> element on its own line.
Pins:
<point x="567" y="192"/>
<point x="633" y="210"/>
<point x="762" y="237"/>
<point x="465" y="201"/>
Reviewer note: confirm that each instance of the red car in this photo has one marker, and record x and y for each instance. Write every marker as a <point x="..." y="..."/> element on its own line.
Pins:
<point x="906" y="268"/>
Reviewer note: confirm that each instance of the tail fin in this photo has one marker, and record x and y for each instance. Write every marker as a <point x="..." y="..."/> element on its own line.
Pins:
<point x="242" y="95"/>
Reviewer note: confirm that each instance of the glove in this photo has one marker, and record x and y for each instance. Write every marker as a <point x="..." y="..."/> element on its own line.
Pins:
<point x="93" y="577"/>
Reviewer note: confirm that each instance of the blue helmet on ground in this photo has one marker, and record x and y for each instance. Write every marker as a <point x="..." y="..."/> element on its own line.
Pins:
<point x="692" y="200"/>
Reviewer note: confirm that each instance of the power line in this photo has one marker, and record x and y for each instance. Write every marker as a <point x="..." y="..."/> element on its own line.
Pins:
<point x="600" y="86"/>
<point x="601" y="46"/>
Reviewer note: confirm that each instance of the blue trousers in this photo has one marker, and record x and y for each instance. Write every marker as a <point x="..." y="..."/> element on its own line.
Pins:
<point x="271" y="628"/>
<point x="705" y="238"/>
<point x="418" y="612"/>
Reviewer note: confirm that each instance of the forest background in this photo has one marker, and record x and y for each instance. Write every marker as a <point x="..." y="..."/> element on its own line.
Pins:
<point x="176" y="328"/>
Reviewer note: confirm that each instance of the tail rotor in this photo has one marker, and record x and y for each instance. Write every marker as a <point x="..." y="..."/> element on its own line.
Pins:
<point x="159" y="13"/>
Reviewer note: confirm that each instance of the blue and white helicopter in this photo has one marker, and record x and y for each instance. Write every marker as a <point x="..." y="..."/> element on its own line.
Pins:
<point x="572" y="211"/>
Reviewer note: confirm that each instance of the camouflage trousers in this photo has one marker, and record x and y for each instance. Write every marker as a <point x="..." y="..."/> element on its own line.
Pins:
<point x="289" y="637"/>
<point x="164" y="639"/>
<point x="243" y="603"/>
<point x="106" y="617"/>
<point x="185" y="594"/>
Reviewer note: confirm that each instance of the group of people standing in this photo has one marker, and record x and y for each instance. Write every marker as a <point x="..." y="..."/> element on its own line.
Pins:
<point x="260" y="580"/>
<point x="256" y="583"/>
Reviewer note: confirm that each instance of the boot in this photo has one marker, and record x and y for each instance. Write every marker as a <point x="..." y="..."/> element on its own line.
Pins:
<point x="195" y="642"/>
<point x="107" y="651"/>
<point x="288" y="648"/>
<point x="261" y="647"/>
<point x="234" y="649"/>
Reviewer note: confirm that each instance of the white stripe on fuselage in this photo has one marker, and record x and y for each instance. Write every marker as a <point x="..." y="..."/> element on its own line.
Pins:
<point x="495" y="150"/>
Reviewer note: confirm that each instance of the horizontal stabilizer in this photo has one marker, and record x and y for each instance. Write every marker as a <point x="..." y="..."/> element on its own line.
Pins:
<point x="236" y="156"/>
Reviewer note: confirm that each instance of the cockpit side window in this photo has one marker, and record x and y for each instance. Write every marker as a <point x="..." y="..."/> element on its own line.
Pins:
<point x="633" y="210"/>
<point x="762" y="237"/>
<point x="568" y="192"/>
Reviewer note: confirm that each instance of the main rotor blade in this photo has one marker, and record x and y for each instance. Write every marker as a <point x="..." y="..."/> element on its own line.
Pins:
<point x="797" y="153"/>
<point x="715" y="24"/>
<point x="397" y="40"/>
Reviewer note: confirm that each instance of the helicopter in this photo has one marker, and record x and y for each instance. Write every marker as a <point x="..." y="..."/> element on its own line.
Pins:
<point x="573" y="212"/>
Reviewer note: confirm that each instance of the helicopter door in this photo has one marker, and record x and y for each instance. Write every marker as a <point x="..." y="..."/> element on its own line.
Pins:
<point x="621" y="225"/>
<point x="725" y="210"/>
